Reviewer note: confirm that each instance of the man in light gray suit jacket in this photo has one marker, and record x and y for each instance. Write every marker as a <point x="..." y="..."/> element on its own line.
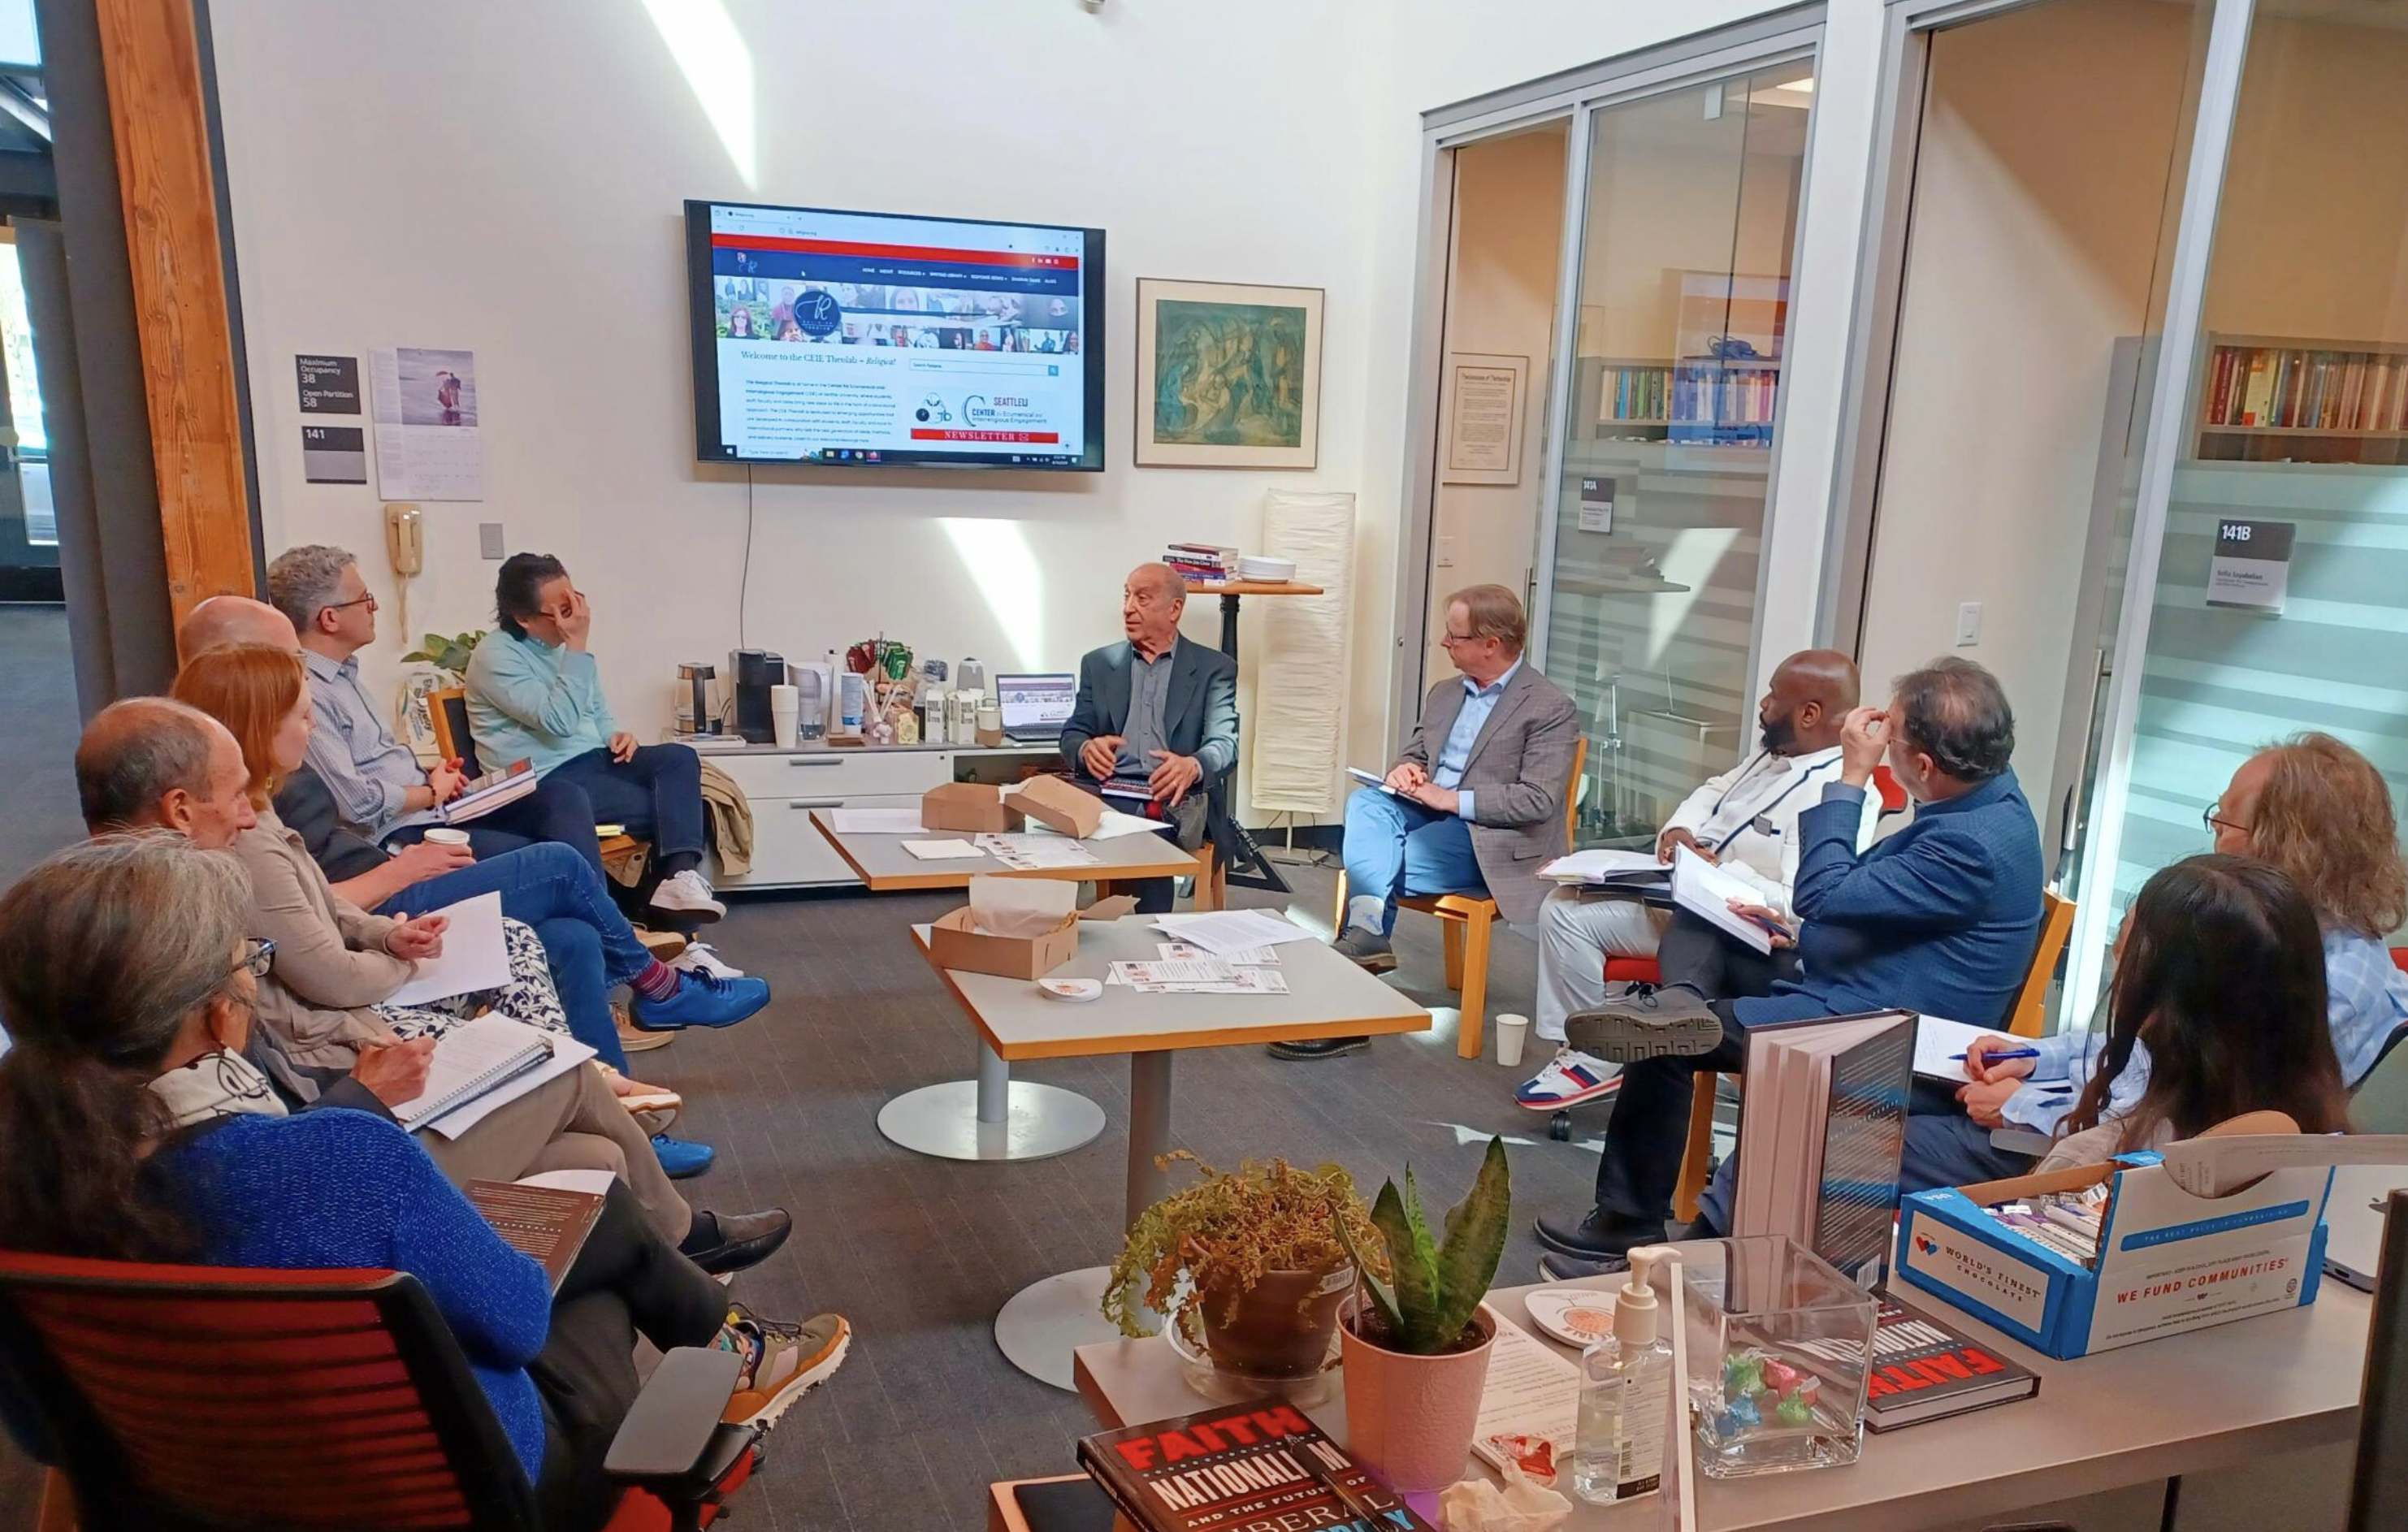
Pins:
<point x="1476" y="801"/>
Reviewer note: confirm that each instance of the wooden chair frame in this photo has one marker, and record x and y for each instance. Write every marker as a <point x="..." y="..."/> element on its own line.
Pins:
<point x="616" y="849"/>
<point x="1466" y="922"/>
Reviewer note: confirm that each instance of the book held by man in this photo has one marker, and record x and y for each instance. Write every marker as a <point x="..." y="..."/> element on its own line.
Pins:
<point x="490" y="792"/>
<point x="1706" y="891"/>
<point x="1259" y="1464"/>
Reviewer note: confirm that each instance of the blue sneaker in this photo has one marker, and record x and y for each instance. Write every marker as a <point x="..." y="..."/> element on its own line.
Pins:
<point x="682" y="1157"/>
<point x="702" y="999"/>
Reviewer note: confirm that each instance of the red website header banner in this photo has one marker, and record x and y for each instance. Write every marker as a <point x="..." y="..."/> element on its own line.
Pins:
<point x="929" y="434"/>
<point x="893" y="252"/>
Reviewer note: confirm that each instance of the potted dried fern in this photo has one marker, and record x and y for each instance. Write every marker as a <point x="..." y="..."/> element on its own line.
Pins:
<point x="1247" y="1264"/>
<point x="1417" y="1343"/>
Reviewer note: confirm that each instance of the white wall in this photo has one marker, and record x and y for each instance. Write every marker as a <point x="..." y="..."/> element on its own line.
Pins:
<point x="1509" y="230"/>
<point x="2039" y="190"/>
<point x="509" y="178"/>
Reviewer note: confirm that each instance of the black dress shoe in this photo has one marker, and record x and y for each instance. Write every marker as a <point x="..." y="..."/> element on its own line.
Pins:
<point x="1319" y="1048"/>
<point x="734" y="1241"/>
<point x="1600" y="1236"/>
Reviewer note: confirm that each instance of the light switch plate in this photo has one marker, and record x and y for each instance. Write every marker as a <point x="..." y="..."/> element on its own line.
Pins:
<point x="1968" y="624"/>
<point x="1446" y="552"/>
<point x="489" y="540"/>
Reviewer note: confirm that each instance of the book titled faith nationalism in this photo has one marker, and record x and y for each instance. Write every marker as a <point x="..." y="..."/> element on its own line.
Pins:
<point x="1260" y="1466"/>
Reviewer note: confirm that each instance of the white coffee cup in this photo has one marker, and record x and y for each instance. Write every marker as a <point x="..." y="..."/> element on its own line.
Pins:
<point x="785" y="710"/>
<point x="447" y="837"/>
<point x="1512" y="1033"/>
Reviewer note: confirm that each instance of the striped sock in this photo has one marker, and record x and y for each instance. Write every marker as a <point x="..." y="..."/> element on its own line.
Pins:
<point x="657" y="983"/>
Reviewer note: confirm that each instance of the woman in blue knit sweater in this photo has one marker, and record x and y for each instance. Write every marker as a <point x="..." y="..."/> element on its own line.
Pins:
<point x="133" y="1128"/>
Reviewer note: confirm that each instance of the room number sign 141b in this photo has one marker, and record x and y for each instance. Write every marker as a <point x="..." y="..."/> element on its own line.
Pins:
<point x="2251" y="567"/>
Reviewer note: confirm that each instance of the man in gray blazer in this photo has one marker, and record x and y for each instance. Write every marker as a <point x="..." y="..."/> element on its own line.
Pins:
<point x="1476" y="801"/>
<point x="1156" y="717"/>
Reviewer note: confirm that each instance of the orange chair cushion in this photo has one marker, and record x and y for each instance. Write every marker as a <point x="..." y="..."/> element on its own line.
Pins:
<point x="1632" y="970"/>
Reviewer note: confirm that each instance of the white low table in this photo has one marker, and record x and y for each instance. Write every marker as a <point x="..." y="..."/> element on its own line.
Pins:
<point x="1327" y="997"/>
<point x="884" y="867"/>
<point x="2214" y="1398"/>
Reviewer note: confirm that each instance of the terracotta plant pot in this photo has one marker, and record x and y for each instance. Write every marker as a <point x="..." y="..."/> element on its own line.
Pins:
<point x="1281" y="1327"/>
<point x="1409" y="1419"/>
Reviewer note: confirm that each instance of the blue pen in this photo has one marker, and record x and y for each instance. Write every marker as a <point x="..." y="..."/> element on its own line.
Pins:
<point x="2003" y="1053"/>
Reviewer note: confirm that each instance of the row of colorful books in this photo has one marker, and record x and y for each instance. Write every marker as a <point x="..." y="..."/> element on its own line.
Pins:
<point x="1202" y="561"/>
<point x="1694" y="393"/>
<point x="2302" y="389"/>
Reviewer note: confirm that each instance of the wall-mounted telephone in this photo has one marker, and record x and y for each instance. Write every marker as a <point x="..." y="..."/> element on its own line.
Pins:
<point x="404" y="542"/>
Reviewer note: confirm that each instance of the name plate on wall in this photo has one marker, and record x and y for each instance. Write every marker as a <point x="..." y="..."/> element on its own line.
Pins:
<point x="2251" y="568"/>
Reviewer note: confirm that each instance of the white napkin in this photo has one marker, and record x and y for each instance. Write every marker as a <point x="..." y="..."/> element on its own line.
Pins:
<point x="1475" y="1505"/>
<point x="1020" y="906"/>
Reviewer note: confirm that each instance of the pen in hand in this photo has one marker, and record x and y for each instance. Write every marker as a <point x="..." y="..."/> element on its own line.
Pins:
<point x="2001" y="1054"/>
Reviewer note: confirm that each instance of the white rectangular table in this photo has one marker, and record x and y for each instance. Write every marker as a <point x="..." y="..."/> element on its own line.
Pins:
<point x="2213" y="1398"/>
<point x="1327" y="997"/>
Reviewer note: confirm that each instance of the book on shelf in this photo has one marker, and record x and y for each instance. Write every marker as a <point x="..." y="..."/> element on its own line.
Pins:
<point x="2291" y="388"/>
<point x="1258" y="1464"/>
<point x="1924" y="1370"/>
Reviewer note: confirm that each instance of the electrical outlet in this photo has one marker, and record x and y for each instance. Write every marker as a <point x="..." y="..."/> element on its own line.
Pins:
<point x="1446" y="552"/>
<point x="489" y="540"/>
<point x="1968" y="624"/>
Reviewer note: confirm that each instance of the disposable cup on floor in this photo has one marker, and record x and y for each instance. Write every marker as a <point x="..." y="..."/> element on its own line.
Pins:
<point x="1512" y="1032"/>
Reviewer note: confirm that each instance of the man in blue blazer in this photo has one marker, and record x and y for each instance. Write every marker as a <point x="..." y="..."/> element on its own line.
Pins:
<point x="1939" y="918"/>
<point x="1156" y="708"/>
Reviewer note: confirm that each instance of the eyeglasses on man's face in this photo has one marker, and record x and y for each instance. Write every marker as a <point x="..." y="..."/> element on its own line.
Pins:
<point x="255" y="962"/>
<point x="2212" y="817"/>
<point x="359" y="601"/>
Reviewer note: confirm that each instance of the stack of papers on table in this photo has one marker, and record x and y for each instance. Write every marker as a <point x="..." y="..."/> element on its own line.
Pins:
<point x="1637" y="871"/>
<point x="1029" y="852"/>
<point x="1202" y="976"/>
<point x="1244" y="957"/>
<point x="1223" y="932"/>
<point x="942" y="851"/>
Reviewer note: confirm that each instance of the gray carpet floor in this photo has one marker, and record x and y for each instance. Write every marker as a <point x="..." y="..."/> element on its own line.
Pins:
<point x="919" y="1253"/>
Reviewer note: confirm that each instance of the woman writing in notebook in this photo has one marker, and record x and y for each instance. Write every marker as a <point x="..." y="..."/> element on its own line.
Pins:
<point x="132" y="1128"/>
<point x="2217" y="1008"/>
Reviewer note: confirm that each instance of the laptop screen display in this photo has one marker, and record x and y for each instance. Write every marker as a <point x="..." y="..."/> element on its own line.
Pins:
<point x="1035" y="704"/>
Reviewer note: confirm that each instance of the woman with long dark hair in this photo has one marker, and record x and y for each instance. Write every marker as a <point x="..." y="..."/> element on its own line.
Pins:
<point x="2218" y="1007"/>
<point x="536" y="695"/>
<point x="132" y="1128"/>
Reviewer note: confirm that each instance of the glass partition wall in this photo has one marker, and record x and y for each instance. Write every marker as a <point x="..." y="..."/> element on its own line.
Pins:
<point x="2269" y="580"/>
<point x="1651" y="563"/>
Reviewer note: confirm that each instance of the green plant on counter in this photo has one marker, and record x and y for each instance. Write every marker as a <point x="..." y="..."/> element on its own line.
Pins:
<point x="1435" y="1284"/>
<point x="1224" y="1233"/>
<point x="450" y="654"/>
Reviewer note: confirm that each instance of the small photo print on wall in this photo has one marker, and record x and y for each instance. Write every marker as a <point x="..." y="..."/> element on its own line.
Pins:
<point x="1229" y="375"/>
<point x="437" y="388"/>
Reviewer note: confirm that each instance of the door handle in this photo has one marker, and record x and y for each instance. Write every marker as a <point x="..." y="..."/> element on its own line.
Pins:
<point x="815" y="803"/>
<point x="814" y="760"/>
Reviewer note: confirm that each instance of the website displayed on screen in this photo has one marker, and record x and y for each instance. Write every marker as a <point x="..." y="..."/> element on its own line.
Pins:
<point x="873" y="339"/>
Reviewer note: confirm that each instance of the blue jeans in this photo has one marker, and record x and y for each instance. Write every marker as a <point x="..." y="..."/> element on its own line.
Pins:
<point x="1397" y="845"/>
<point x="588" y="944"/>
<point x="657" y="795"/>
<point x="556" y="811"/>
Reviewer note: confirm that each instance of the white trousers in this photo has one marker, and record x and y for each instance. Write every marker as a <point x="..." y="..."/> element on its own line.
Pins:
<point x="1577" y="933"/>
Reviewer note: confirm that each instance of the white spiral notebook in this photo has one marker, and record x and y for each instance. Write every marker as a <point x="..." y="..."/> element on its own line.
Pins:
<point x="473" y="1059"/>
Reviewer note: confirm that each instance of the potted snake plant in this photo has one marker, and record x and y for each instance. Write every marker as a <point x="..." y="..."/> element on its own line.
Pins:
<point x="1415" y="1344"/>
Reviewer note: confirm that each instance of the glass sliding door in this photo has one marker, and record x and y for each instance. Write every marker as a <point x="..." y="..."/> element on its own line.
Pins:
<point x="1648" y="588"/>
<point x="2293" y="443"/>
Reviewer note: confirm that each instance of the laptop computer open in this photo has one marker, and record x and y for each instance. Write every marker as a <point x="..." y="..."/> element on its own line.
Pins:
<point x="1035" y="708"/>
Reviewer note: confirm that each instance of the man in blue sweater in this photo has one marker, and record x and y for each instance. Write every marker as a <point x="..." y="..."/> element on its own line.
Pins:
<point x="1939" y="918"/>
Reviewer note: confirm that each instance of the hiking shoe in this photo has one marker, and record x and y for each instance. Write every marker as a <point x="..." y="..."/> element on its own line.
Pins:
<point x="1571" y="1078"/>
<point x="701" y="1000"/>
<point x="685" y="894"/>
<point x="781" y="1362"/>
<point x="1367" y="950"/>
<point x="1645" y="1022"/>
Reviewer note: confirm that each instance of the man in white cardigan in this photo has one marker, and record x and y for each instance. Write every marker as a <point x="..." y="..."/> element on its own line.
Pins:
<point x="1746" y="821"/>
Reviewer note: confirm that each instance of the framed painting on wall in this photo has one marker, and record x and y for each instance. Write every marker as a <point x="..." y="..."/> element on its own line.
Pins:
<point x="1229" y="375"/>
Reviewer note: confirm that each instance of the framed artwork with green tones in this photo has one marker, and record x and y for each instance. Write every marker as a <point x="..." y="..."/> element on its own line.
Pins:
<point x="1229" y="375"/>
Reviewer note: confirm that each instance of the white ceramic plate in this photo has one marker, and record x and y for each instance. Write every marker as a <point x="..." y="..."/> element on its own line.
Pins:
<point x="1072" y="990"/>
<point x="1577" y="1316"/>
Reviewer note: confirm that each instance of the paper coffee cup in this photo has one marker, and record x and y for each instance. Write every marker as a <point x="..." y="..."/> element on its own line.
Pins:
<point x="785" y="708"/>
<point x="1512" y="1033"/>
<point x="446" y="837"/>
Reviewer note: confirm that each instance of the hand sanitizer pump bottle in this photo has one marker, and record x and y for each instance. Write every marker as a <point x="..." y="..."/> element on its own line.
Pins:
<point x="1625" y="1398"/>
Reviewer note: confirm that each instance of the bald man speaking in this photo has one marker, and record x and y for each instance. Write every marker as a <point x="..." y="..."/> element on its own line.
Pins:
<point x="1745" y="820"/>
<point x="1156" y="726"/>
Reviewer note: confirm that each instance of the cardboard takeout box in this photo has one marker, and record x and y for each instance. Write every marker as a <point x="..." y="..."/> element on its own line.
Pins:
<point x="972" y="808"/>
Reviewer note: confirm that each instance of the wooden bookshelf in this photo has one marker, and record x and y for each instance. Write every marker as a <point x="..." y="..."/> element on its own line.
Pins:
<point x="2297" y="399"/>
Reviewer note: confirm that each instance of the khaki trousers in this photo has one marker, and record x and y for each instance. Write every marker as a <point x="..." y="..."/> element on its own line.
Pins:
<point x="570" y="1123"/>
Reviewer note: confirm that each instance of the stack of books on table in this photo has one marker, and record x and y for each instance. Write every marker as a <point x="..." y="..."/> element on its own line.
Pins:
<point x="1202" y="561"/>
